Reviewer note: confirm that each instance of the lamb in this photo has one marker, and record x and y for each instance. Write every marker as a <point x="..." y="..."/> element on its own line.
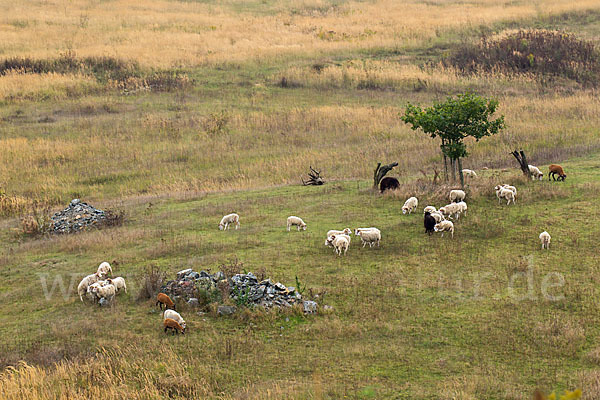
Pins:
<point x="457" y="195"/>
<point x="372" y="236"/>
<point x="85" y="282"/>
<point x="556" y="169"/>
<point x="535" y="172"/>
<point x="229" y="219"/>
<point x="107" y="292"/>
<point x="469" y="172"/>
<point x="174" y="315"/>
<point x="429" y="209"/>
<point x="174" y="326"/>
<point x="163" y="299"/>
<point x="91" y="291"/>
<point x="104" y="269"/>
<point x="507" y="194"/>
<point x="429" y="223"/>
<point x="462" y="208"/>
<point x="499" y="188"/>
<point x="346" y="231"/>
<point x="545" y="239"/>
<point x="295" y="221"/>
<point x="410" y="205"/>
<point x="444" y="226"/>
<point x="339" y="243"/>
<point x="119" y="283"/>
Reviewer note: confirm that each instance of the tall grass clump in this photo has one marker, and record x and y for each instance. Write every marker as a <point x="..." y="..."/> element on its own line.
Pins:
<point x="542" y="53"/>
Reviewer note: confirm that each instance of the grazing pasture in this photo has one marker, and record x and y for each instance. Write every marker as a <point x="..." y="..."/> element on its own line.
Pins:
<point x="172" y="114"/>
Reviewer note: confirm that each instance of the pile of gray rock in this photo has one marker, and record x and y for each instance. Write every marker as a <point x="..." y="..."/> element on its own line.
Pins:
<point x="244" y="289"/>
<point x="76" y="217"/>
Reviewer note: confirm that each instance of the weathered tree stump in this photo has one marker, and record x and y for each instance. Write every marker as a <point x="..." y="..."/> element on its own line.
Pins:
<point x="314" y="178"/>
<point x="380" y="172"/>
<point x="520" y="156"/>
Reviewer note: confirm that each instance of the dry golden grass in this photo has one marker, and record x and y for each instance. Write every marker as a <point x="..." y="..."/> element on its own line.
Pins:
<point x="165" y="33"/>
<point x="16" y="85"/>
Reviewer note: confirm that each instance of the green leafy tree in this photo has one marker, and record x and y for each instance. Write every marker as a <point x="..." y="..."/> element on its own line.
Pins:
<point x="466" y="115"/>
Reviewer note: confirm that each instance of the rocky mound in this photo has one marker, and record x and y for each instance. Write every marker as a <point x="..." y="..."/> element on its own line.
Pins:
<point x="76" y="217"/>
<point x="244" y="289"/>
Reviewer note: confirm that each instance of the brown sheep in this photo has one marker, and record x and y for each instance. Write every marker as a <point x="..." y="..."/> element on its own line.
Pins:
<point x="556" y="169"/>
<point x="166" y="300"/>
<point x="174" y="326"/>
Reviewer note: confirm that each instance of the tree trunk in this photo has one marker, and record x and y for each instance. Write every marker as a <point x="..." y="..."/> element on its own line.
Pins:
<point x="462" y="178"/>
<point x="380" y="172"/>
<point x="445" y="162"/>
<point x="453" y="167"/>
<point x="520" y="156"/>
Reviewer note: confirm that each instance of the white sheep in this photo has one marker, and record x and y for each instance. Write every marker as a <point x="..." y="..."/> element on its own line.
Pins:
<point x="457" y="195"/>
<point x="104" y="270"/>
<point x="346" y="231"/>
<point x="469" y="173"/>
<point x="462" y="208"/>
<point x="175" y="316"/>
<point x="438" y="216"/>
<point x="107" y="292"/>
<point x="340" y="243"/>
<point x="545" y="239"/>
<point x="535" y="172"/>
<point x="85" y="282"/>
<point x="429" y="209"/>
<point x="372" y="236"/>
<point x="410" y="205"/>
<point x="229" y="219"/>
<point x="444" y="226"/>
<point x="450" y="210"/>
<point x="506" y="194"/>
<point x="295" y="221"/>
<point x="119" y="283"/>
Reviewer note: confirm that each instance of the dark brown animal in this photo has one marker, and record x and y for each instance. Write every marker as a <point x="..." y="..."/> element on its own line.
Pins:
<point x="388" y="183"/>
<point x="556" y="169"/>
<point x="174" y="326"/>
<point x="429" y="223"/>
<point x="166" y="300"/>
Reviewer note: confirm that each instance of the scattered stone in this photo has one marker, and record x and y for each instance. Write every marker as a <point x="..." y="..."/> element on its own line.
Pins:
<point x="76" y="217"/>
<point x="193" y="302"/>
<point x="225" y="310"/>
<point x="310" y="307"/>
<point x="327" y="308"/>
<point x="103" y="302"/>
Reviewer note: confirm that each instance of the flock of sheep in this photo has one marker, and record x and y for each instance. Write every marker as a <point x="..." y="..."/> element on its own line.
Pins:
<point x="99" y="286"/>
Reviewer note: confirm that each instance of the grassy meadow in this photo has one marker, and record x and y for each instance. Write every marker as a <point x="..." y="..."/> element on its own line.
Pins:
<point x="179" y="112"/>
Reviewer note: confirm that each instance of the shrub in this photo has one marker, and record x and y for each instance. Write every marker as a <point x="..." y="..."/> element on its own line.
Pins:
<point x="38" y="222"/>
<point x="152" y="280"/>
<point x="114" y="218"/>
<point x="538" y="52"/>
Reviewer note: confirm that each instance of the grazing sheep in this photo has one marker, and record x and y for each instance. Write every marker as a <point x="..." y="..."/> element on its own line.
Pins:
<point x="545" y="239"/>
<point x="462" y="208"/>
<point x="372" y="236"/>
<point x="118" y="282"/>
<point x="339" y="243"/>
<point x="295" y="221"/>
<point x="229" y="219"/>
<point x="499" y="188"/>
<point x="556" y="169"/>
<point x="104" y="270"/>
<point x="174" y="326"/>
<point x="450" y="210"/>
<point x="107" y="292"/>
<point x="469" y="172"/>
<point x="166" y="300"/>
<point x="90" y="294"/>
<point x="444" y="226"/>
<point x="346" y="231"/>
<point x="507" y="194"/>
<point x="410" y="205"/>
<point x="85" y="282"/>
<point x="535" y="172"/>
<point x="388" y="183"/>
<point x="429" y="223"/>
<point x="174" y="315"/>
<point x="438" y="216"/>
<point x="457" y="195"/>
<point x="429" y="209"/>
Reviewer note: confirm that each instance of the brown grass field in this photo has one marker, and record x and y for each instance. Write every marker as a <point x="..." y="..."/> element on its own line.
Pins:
<point x="179" y="112"/>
